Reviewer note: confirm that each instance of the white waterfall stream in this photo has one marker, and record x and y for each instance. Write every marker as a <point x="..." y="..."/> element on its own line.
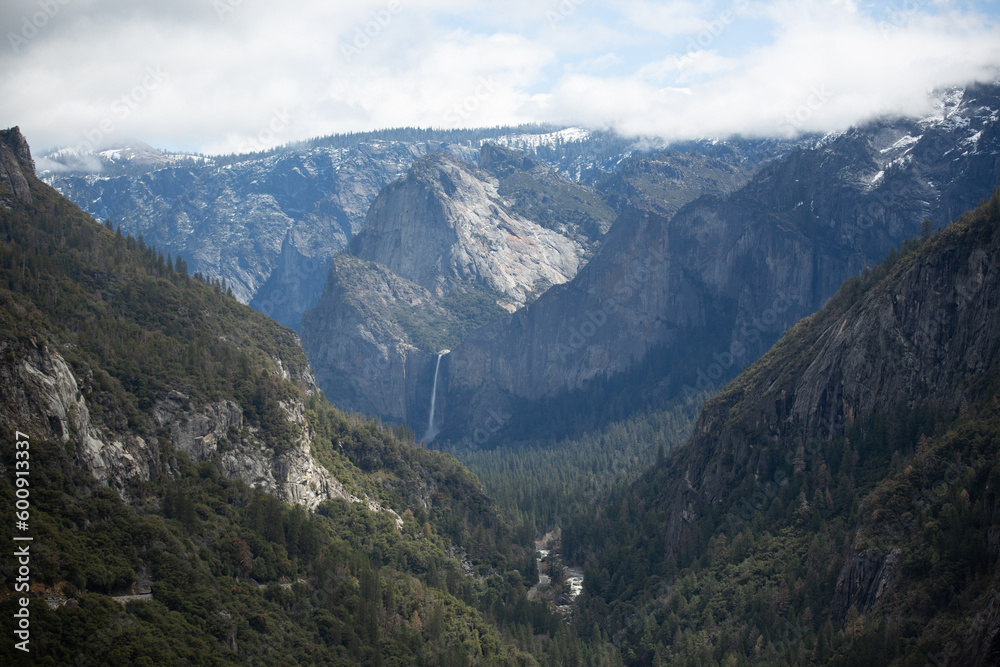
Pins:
<point x="431" y="431"/>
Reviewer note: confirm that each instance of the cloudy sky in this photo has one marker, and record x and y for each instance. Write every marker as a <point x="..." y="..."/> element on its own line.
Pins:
<point x="220" y="75"/>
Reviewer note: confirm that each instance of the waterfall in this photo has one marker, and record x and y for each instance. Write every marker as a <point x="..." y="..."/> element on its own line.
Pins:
<point x="431" y="431"/>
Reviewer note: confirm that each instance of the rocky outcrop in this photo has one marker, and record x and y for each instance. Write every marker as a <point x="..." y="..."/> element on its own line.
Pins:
<point x="710" y="293"/>
<point x="864" y="580"/>
<point x="361" y="340"/>
<point x="853" y="452"/>
<point x="294" y="286"/>
<point x="538" y="192"/>
<point x="264" y="223"/>
<point x="218" y="430"/>
<point x="982" y="642"/>
<point x="595" y="325"/>
<point x="445" y="227"/>
<point x="42" y="396"/>
<point x="926" y="334"/>
<point x="15" y="156"/>
<point x="268" y="222"/>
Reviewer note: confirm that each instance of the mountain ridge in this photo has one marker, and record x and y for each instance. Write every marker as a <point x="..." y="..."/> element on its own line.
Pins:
<point x="743" y="267"/>
<point x="841" y="485"/>
<point x="166" y="424"/>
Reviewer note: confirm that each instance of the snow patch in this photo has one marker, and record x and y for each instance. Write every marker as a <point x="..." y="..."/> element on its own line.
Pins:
<point x="974" y="139"/>
<point x="905" y="142"/>
<point x="533" y="141"/>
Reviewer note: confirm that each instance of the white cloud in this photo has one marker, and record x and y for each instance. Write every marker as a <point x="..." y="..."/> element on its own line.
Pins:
<point x="828" y="67"/>
<point x="669" y="19"/>
<point x="677" y="69"/>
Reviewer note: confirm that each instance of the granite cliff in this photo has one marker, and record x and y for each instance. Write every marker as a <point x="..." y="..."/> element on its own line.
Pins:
<point x="445" y="228"/>
<point x="707" y="291"/>
<point x="180" y="479"/>
<point x="266" y="223"/>
<point x="837" y="501"/>
<point x="443" y="250"/>
<point x="51" y="398"/>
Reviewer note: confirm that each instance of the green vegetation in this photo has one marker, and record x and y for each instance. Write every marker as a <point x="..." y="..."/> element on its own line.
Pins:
<point x="551" y="484"/>
<point x="553" y="202"/>
<point x="657" y="383"/>
<point x="241" y="577"/>
<point x="665" y="181"/>
<point x="753" y="575"/>
<point x="236" y="575"/>
<point x="746" y="574"/>
<point x="466" y="310"/>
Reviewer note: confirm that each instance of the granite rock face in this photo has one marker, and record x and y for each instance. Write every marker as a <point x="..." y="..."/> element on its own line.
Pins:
<point x="441" y="251"/>
<point x="358" y="340"/>
<point x="712" y="288"/>
<point x="927" y="334"/>
<point x="267" y="224"/>
<point x="444" y="227"/>
<point x="875" y="417"/>
<point x="43" y="395"/>
<point x="217" y="429"/>
<point x="15" y="156"/>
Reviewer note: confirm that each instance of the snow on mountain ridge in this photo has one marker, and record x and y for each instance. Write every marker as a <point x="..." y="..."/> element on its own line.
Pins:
<point x="534" y="141"/>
